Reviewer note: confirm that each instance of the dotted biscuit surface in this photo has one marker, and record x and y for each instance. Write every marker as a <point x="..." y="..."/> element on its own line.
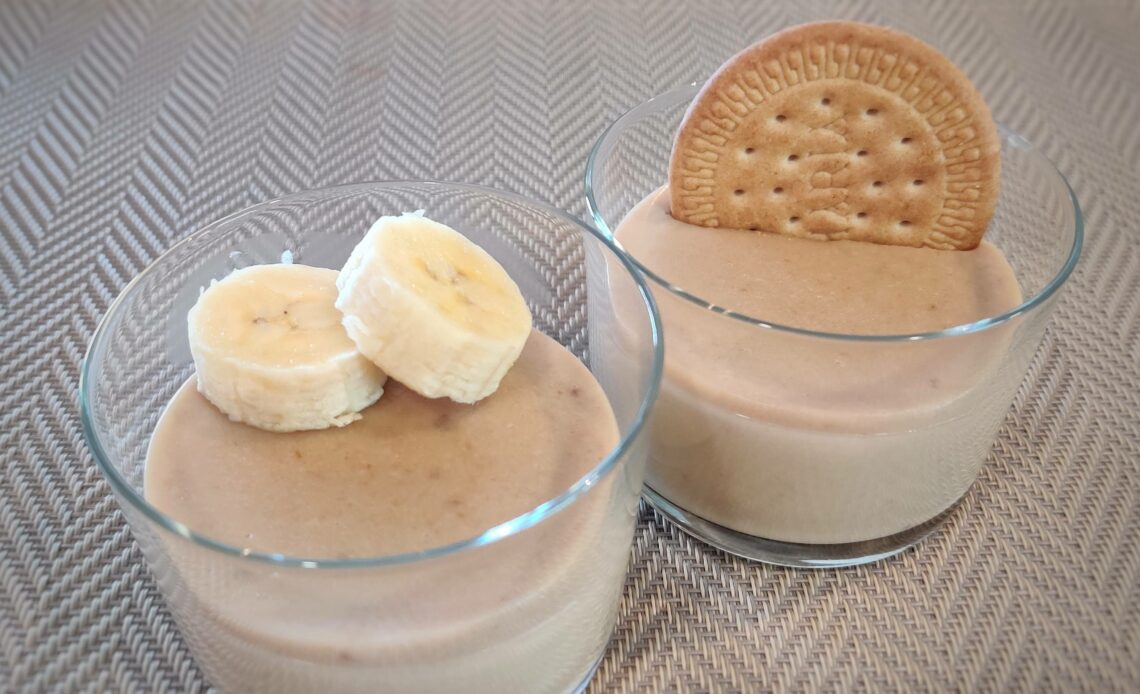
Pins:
<point x="839" y="130"/>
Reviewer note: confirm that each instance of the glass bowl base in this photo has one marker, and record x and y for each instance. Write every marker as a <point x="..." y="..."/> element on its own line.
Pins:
<point x="796" y="555"/>
<point x="585" y="683"/>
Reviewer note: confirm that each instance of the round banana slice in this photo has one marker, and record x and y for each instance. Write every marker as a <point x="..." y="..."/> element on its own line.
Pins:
<point x="270" y="351"/>
<point x="432" y="309"/>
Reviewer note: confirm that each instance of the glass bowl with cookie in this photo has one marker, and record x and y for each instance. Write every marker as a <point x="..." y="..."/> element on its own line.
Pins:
<point x="379" y="438"/>
<point x="842" y="342"/>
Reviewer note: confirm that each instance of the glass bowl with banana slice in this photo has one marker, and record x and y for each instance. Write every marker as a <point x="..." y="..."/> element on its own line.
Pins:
<point x="382" y="437"/>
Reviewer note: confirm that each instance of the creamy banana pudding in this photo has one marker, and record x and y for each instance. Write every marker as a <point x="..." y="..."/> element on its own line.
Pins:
<point x="393" y="409"/>
<point x="808" y="440"/>
<point x="411" y="474"/>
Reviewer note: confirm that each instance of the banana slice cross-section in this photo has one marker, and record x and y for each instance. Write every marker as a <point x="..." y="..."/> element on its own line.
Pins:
<point x="270" y="351"/>
<point x="432" y="309"/>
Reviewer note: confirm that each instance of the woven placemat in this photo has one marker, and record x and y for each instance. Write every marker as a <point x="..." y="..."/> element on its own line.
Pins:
<point x="126" y="125"/>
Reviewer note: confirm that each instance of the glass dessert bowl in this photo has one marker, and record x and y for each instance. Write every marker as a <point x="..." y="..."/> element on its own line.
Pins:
<point x="528" y="601"/>
<point x="804" y="447"/>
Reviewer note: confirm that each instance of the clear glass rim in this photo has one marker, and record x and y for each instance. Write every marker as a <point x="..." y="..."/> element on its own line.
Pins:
<point x="501" y="531"/>
<point x="1026" y="306"/>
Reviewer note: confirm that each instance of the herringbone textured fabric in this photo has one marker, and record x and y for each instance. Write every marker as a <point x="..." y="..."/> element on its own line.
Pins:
<point x="126" y="125"/>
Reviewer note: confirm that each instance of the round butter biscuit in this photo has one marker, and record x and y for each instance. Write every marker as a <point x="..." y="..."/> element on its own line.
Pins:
<point x="839" y="130"/>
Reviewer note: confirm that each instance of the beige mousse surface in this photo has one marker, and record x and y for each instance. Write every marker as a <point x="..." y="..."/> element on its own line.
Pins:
<point x="412" y="474"/>
<point x="847" y="287"/>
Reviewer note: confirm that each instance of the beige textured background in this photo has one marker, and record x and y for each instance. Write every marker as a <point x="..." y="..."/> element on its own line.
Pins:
<point x="125" y="125"/>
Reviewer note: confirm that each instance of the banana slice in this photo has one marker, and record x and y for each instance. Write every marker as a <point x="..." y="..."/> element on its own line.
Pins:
<point x="270" y="351"/>
<point x="432" y="309"/>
